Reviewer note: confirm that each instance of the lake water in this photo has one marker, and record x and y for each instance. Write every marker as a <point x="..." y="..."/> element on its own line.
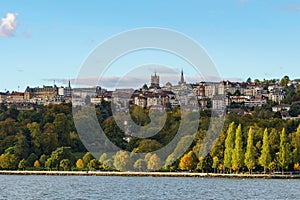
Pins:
<point x="86" y="187"/>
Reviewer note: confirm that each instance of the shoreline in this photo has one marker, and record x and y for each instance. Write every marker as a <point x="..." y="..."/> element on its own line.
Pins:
<point x="150" y="174"/>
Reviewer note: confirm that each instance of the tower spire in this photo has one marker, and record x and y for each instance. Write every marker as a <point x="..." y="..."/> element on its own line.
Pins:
<point x="181" y="78"/>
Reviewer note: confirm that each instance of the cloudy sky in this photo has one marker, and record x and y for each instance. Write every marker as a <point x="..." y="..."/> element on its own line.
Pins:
<point x="42" y="41"/>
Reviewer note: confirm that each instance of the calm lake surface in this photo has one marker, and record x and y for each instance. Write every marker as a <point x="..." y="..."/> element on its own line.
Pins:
<point x="87" y="187"/>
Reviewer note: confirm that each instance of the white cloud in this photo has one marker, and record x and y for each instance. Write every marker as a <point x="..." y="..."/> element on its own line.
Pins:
<point x="8" y="25"/>
<point x="112" y="82"/>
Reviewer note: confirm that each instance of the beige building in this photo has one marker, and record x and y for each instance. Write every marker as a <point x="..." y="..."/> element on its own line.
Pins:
<point x="46" y="93"/>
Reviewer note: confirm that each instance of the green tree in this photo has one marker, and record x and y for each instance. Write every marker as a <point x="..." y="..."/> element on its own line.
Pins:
<point x="65" y="164"/>
<point x="21" y="164"/>
<point x="8" y="161"/>
<point x="21" y="149"/>
<point x="147" y="157"/>
<point x="295" y="109"/>
<point x="50" y="139"/>
<point x="265" y="157"/>
<point x="238" y="152"/>
<point x="103" y="157"/>
<point x="59" y="154"/>
<point x="249" y="80"/>
<point x="148" y="145"/>
<point x="62" y="128"/>
<point x="107" y="164"/>
<point x="122" y="161"/>
<point x="154" y="163"/>
<point x="31" y="159"/>
<point x="43" y="159"/>
<point x="93" y="164"/>
<point x="229" y="145"/>
<point x="215" y="164"/>
<point x="200" y="165"/>
<point x="284" y="152"/>
<point x="140" y="165"/>
<point x="250" y="152"/>
<point x="114" y="133"/>
<point x="36" y="136"/>
<point x="296" y="144"/>
<point x="140" y="116"/>
<point x="87" y="158"/>
<point x="284" y="81"/>
<point x="48" y="163"/>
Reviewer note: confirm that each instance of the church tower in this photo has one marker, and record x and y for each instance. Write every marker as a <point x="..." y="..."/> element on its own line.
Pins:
<point x="181" y="82"/>
<point x="154" y="81"/>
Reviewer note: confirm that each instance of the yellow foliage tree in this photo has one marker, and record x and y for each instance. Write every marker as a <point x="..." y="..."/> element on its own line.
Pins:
<point x="186" y="162"/>
<point x="79" y="164"/>
<point x="36" y="164"/>
<point x="297" y="167"/>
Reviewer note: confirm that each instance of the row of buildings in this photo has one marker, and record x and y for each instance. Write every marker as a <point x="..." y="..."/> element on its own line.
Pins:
<point x="216" y="95"/>
<point x="203" y="95"/>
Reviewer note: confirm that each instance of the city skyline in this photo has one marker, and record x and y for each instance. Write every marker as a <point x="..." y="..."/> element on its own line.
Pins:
<point x="50" y="41"/>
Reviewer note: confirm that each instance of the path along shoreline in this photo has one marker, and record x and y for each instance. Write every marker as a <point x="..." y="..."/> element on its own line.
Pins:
<point x="149" y="174"/>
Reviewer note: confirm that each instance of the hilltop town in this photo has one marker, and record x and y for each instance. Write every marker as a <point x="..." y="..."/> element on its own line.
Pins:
<point x="240" y="97"/>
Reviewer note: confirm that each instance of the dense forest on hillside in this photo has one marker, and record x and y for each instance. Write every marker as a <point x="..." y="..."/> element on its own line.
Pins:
<point x="46" y="138"/>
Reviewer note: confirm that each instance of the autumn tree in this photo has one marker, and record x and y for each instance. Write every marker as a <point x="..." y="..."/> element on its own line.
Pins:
<point x="122" y="161"/>
<point x="186" y="162"/>
<point x="8" y="161"/>
<point x="79" y="164"/>
<point x="284" y="152"/>
<point x="36" y="164"/>
<point x="250" y="152"/>
<point x="238" y="152"/>
<point x="154" y="163"/>
<point x="229" y="145"/>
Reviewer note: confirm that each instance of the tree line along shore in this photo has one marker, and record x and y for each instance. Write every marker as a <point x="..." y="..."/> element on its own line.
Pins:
<point x="46" y="139"/>
<point x="151" y="174"/>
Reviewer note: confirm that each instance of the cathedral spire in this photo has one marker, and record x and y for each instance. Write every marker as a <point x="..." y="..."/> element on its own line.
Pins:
<point x="69" y="85"/>
<point x="181" y="78"/>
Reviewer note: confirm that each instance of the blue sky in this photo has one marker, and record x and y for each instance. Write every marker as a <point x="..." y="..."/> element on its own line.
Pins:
<point x="51" y="39"/>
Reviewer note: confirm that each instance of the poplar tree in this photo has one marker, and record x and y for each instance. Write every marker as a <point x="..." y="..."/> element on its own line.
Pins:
<point x="238" y="152"/>
<point x="229" y="145"/>
<point x="265" y="157"/>
<point x="249" y="155"/>
<point x="296" y="152"/>
<point x="284" y="152"/>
